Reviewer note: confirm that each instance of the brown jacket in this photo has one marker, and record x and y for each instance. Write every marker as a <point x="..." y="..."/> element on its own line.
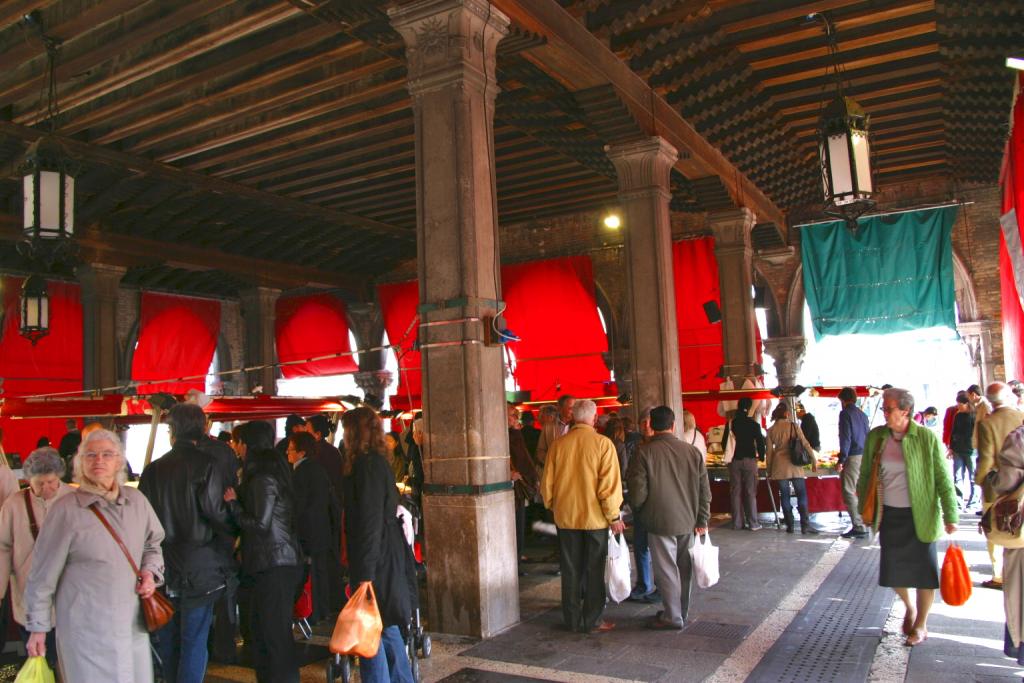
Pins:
<point x="668" y="486"/>
<point x="992" y="431"/>
<point x="581" y="481"/>
<point x="778" y="463"/>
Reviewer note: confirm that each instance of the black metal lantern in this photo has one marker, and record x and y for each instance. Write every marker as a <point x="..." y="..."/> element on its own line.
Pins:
<point x="35" y="309"/>
<point x="844" y="147"/>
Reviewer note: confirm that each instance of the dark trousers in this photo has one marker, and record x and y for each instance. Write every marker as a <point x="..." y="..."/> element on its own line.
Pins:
<point x="788" y="489"/>
<point x="323" y="583"/>
<point x="520" y="527"/>
<point x="743" y="491"/>
<point x="270" y="609"/>
<point x="582" y="557"/>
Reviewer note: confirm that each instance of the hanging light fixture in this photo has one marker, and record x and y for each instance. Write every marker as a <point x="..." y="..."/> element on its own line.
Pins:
<point x="844" y="145"/>
<point x="48" y="176"/>
<point x="35" y="309"/>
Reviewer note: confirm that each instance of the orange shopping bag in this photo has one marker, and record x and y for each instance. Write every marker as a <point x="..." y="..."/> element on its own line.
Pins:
<point x="358" y="629"/>
<point x="956" y="580"/>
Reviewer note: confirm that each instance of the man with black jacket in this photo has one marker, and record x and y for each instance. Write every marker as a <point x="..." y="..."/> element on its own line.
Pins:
<point x="750" y="448"/>
<point x="186" y="488"/>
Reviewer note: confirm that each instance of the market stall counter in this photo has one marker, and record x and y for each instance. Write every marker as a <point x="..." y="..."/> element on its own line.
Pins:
<point x="824" y="492"/>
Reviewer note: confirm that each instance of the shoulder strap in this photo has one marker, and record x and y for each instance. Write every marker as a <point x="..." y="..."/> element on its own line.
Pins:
<point x="96" y="511"/>
<point x="31" y="514"/>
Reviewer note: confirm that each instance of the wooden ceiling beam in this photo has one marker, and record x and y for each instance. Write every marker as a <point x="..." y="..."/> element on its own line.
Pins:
<point x="165" y="173"/>
<point x="864" y="96"/>
<point x="116" y="112"/>
<point x="12" y="11"/>
<point x="878" y="38"/>
<point x="578" y="60"/>
<point x="802" y="72"/>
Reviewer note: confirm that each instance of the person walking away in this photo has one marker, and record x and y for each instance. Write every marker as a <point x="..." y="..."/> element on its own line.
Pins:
<point x="670" y="491"/>
<point x="644" y="590"/>
<point x="524" y="478"/>
<point x="961" y="444"/>
<point x="915" y="499"/>
<point x="1007" y="477"/>
<point x="186" y="488"/>
<point x="750" y="447"/>
<point x="992" y="431"/>
<point x="853" y="432"/>
<point x="581" y="485"/>
<point x="790" y="476"/>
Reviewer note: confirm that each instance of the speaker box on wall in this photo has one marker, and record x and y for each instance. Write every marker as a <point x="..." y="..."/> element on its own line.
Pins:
<point x="712" y="311"/>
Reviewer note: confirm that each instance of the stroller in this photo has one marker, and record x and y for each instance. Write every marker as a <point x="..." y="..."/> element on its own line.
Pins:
<point x="417" y="641"/>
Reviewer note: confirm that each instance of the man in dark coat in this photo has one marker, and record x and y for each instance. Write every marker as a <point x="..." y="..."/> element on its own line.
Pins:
<point x="293" y="423"/>
<point x="809" y="426"/>
<point x="318" y="521"/>
<point x="524" y="475"/>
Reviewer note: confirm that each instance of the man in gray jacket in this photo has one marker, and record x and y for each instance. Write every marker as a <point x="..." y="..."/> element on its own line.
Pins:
<point x="669" y="490"/>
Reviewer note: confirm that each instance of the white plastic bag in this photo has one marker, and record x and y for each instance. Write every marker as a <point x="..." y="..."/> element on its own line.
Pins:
<point x="705" y="561"/>
<point x="616" y="568"/>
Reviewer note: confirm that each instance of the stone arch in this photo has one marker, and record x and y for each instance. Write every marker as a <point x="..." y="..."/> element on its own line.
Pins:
<point x="776" y="323"/>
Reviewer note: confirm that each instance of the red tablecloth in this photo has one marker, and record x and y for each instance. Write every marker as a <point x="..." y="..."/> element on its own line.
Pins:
<point x="824" y="494"/>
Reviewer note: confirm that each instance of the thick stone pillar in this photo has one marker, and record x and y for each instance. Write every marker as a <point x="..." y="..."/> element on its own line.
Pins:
<point x="643" y="169"/>
<point x="100" y="285"/>
<point x="731" y="230"/>
<point x="467" y="502"/>
<point x="259" y="311"/>
<point x="788" y="354"/>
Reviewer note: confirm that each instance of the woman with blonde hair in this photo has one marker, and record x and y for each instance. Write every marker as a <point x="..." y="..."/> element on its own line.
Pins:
<point x="81" y="574"/>
<point x="781" y="468"/>
<point x="692" y="435"/>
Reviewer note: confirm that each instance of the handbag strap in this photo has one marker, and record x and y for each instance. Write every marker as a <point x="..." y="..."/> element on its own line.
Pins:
<point x="33" y="527"/>
<point x="99" y="515"/>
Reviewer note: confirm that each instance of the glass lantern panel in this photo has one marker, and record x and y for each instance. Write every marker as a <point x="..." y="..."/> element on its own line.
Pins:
<point x="49" y="203"/>
<point x="862" y="159"/>
<point x="36" y="312"/>
<point x="839" y="169"/>
<point x="29" y="193"/>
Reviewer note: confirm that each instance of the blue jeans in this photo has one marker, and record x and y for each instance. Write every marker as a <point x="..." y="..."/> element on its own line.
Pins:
<point x="391" y="664"/>
<point x="642" y="553"/>
<point x="181" y="644"/>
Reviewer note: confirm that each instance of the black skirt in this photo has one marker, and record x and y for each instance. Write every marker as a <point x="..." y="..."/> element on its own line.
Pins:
<point x="906" y="561"/>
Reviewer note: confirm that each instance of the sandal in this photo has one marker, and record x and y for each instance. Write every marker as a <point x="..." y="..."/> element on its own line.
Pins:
<point x="916" y="637"/>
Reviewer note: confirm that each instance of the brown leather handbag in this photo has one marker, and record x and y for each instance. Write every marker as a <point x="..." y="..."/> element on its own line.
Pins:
<point x="869" y="503"/>
<point x="157" y="610"/>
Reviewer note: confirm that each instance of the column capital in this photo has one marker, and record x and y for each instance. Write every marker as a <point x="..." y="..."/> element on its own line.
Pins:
<point x="99" y="279"/>
<point x="788" y="353"/>
<point x="450" y="42"/>
<point x="643" y="166"/>
<point x="732" y="226"/>
<point x="258" y="296"/>
<point x="374" y="382"/>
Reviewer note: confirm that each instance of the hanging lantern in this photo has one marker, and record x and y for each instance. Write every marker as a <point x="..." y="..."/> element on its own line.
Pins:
<point x="48" y="189"/>
<point x="35" y="309"/>
<point x="845" y="151"/>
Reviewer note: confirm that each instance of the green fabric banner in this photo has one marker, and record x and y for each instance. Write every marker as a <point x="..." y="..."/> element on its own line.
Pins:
<point x="895" y="275"/>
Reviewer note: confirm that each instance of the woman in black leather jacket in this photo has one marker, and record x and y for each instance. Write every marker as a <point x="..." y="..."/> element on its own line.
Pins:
<point x="271" y="560"/>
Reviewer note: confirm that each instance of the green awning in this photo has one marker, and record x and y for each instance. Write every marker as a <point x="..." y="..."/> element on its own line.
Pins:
<point x="895" y="275"/>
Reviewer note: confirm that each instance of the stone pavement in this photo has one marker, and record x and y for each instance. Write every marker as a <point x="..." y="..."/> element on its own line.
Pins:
<point x="777" y="591"/>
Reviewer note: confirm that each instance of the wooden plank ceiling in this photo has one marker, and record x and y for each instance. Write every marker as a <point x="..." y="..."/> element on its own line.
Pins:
<point x="276" y="137"/>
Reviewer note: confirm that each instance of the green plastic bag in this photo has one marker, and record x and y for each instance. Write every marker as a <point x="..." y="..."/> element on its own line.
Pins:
<point x="35" y="670"/>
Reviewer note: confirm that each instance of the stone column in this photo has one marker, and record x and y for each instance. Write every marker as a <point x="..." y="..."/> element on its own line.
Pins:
<point x="467" y="502"/>
<point x="259" y="311"/>
<point x="100" y="284"/>
<point x="977" y="335"/>
<point x="731" y="230"/>
<point x="643" y="168"/>
<point x="788" y="354"/>
<point x="375" y="382"/>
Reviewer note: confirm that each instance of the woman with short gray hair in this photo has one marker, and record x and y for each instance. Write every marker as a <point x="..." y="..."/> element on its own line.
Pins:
<point x="21" y="517"/>
<point x="915" y="497"/>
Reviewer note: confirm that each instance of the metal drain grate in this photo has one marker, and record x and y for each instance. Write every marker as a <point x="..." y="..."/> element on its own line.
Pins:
<point x="835" y="635"/>
<point x="716" y="629"/>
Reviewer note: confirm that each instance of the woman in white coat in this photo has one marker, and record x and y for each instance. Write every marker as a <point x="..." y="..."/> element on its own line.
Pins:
<point x="80" y="570"/>
<point x="19" y="529"/>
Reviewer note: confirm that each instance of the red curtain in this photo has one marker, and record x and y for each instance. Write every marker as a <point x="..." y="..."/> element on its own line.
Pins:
<point x="399" y="303"/>
<point x="695" y="270"/>
<point x="53" y="365"/>
<point x="177" y="338"/>
<point x="553" y="309"/>
<point x="1011" y="253"/>
<point x="310" y="326"/>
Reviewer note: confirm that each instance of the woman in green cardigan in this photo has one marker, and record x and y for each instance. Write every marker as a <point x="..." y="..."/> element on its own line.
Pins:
<point x="915" y="496"/>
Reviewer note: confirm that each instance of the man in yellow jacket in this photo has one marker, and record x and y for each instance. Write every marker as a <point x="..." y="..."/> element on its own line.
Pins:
<point x="583" y="487"/>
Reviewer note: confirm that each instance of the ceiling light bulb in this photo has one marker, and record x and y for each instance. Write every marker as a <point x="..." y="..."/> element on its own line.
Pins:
<point x="612" y="221"/>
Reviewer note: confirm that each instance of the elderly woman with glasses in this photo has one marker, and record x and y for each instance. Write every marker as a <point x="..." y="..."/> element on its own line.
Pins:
<point x="915" y="498"/>
<point x="21" y="518"/>
<point x="80" y="574"/>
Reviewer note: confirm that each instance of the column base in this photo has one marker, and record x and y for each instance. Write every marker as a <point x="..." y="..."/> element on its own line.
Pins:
<point x="472" y="570"/>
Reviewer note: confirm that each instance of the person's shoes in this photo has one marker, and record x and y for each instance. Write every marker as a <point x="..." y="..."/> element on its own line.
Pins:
<point x="658" y="623"/>
<point x="652" y="598"/>
<point x="808" y="529"/>
<point x="789" y="528"/>
<point x="993" y="584"/>
<point x="638" y="596"/>
<point x="916" y="637"/>
<point x="853" y="532"/>
<point x="756" y="527"/>
<point x="601" y="627"/>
